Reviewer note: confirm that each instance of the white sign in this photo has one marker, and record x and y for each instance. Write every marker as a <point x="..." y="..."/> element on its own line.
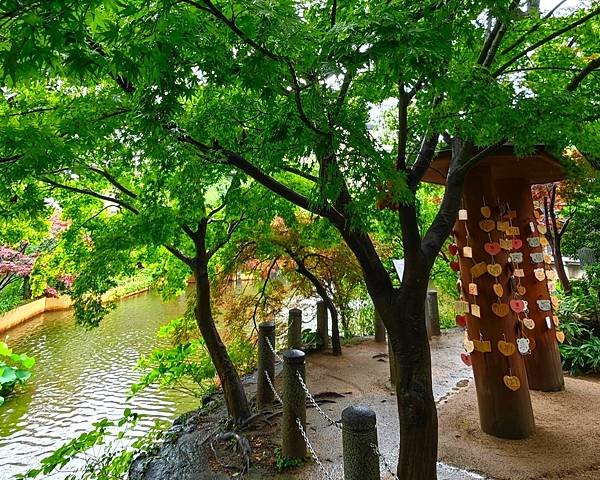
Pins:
<point x="399" y="266"/>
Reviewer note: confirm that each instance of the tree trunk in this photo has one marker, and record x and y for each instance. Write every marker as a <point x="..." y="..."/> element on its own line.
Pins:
<point x="559" y="264"/>
<point x="233" y="391"/>
<point x="336" y="345"/>
<point x="26" y="288"/>
<point x="416" y="406"/>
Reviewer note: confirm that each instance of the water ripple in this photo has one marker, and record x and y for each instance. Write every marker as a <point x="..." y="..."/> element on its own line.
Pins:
<point x="80" y="377"/>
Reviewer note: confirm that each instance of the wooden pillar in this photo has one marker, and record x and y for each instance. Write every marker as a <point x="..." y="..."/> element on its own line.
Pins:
<point x="544" y="367"/>
<point x="503" y="412"/>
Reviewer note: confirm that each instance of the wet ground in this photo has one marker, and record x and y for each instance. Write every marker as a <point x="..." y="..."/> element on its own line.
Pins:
<point x="361" y="374"/>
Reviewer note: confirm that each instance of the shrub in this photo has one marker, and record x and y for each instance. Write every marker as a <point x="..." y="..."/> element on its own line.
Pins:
<point x="579" y="321"/>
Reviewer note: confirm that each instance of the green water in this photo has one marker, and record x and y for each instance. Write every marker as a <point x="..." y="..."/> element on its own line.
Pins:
<point x="82" y="376"/>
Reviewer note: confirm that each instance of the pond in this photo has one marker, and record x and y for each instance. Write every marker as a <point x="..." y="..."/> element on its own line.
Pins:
<point x="82" y="376"/>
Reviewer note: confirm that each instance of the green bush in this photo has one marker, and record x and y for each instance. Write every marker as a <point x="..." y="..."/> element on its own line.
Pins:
<point x="185" y="365"/>
<point x="11" y="296"/>
<point x="102" y="448"/>
<point x="578" y="313"/>
<point x="15" y="369"/>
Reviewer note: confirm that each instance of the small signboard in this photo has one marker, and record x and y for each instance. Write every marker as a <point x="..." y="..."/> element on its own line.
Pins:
<point x="399" y="266"/>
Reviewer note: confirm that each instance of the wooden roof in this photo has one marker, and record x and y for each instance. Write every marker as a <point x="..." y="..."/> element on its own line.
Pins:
<point x="540" y="167"/>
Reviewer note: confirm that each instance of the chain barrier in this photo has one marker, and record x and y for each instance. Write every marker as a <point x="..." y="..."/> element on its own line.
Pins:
<point x="384" y="461"/>
<point x="331" y="421"/>
<point x="278" y="398"/>
<point x="316" y="405"/>
<point x="273" y="350"/>
<point x="312" y="451"/>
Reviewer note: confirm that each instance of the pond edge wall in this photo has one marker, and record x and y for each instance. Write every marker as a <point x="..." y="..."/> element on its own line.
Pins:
<point x="29" y="311"/>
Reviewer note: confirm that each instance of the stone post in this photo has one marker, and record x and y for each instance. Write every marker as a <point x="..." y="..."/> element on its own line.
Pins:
<point x="359" y="437"/>
<point x="432" y="314"/>
<point x="379" y="329"/>
<point x="266" y="365"/>
<point x="294" y="405"/>
<point x="294" y="333"/>
<point x="322" y="325"/>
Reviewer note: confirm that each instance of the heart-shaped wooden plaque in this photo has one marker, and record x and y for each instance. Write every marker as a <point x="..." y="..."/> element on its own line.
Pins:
<point x="506" y="348"/>
<point x="512" y="382"/>
<point x="494" y="269"/>
<point x="493" y="248"/>
<point x="466" y="359"/>
<point x="500" y="309"/>
<point x="517" y="305"/>
<point x="487" y="225"/>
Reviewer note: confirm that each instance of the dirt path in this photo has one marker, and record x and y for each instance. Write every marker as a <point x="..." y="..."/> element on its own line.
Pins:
<point x="361" y="374"/>
<point x="566" y="445"/>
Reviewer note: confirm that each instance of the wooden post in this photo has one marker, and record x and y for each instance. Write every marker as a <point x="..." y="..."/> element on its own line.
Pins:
<point x="503" y="412"/>
<point x="544" y="367"/>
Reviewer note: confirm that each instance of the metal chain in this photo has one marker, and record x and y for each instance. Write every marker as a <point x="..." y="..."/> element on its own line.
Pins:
<point x="385" y="462"/>
<point x="315" y="404"/>
<point x="273" y="388"/>
<point x="312" y="451"/>
<point x="273" y="349"/>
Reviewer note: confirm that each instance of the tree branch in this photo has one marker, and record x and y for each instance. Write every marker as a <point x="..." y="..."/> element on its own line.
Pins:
<point x="113" y="181"/>
<point x="300" y="173"/>
<point x="91" y="193"/>
<point x="215" y="12"/>
<point x="577" y="79"/>
<point x="423" y="161"/>
<point x="547" y="39"/>
<point x="180" y="255"/>
<point x="333" y="13"/>
<point x="535" y="27"/>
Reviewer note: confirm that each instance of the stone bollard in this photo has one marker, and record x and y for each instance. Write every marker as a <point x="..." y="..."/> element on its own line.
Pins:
<point x="294" y="333"/>
<point x="322" y="325"/>
<point x="432" y="314"/>
<point x="294" y="405"/>
<point x="392" y="362"/>
<point x="359" y="440"/>
<point x="379" y="329"/>
<point x="266" y="365"/>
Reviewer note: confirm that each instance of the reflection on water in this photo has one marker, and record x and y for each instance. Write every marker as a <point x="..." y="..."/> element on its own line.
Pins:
<point x="82" y="376"/>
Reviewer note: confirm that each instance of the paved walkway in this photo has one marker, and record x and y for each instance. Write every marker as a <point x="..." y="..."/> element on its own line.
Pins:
<point x="361" y="375"/>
